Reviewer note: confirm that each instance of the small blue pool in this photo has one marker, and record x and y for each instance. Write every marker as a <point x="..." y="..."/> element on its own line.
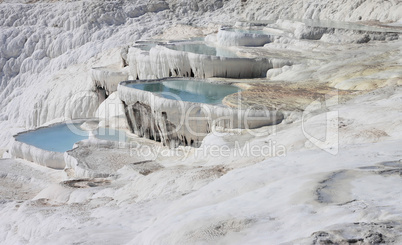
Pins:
<point x="62" y="137"/>
<point x="188" y="90"/>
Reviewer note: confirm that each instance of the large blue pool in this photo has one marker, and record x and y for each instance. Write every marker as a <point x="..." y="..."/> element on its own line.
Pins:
<point x="188" y="90"/>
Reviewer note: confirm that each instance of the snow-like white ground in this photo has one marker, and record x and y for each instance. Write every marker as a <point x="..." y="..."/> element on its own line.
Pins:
<point x="217" y="195"/>
<point x="332" y="176"/>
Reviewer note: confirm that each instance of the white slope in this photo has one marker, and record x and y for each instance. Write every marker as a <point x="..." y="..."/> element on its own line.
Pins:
<point x="228" y="199"/>
<point x="349" y="10"/>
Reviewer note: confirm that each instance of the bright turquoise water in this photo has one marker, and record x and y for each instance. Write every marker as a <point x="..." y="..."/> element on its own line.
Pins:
<point x="188" y="90"/>
<point x="200" y="48"/>
<point x="61" y="137"/>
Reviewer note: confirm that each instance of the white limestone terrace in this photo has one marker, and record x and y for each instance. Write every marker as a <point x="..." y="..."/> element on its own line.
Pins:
<point x="41" y="146"/>
<point x="176" y="122"/>
<point x="46" y="145"/>
<point x="106" y="79"/>
<point x="51" y="159"/>
<point x="241" y="37"/>
<point x="331" y="31"/>
<point x="218" y="56"/>
<point x="193" y="59"/>
<point x="305" y="197"/>
<point x="43" y="40"/>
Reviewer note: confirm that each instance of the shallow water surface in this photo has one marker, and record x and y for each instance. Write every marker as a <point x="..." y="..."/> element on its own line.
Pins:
<point x="189" y="90"/>
<point x="62" y="137"/>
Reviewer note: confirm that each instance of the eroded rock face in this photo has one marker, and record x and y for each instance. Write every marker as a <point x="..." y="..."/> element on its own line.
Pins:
<point x="155" y="126"/>
<point x="107" y="79"/>
<point x="356" y="233"/>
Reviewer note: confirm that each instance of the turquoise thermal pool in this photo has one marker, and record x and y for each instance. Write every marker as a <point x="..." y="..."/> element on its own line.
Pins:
<point x="62" y="137"/>
<point x="188" y="90"/>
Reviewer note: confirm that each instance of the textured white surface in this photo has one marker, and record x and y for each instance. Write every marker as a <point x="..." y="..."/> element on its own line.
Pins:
<point x="47" y="51"/>
<point x="40" y="40"/>
<point x="233" y="38"/>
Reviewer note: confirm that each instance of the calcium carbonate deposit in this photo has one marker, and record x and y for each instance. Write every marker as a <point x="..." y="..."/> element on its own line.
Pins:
<point x="306" y="150"/>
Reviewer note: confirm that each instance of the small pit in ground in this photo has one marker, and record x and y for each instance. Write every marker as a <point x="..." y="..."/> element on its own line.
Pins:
<point x="86" y="183"/>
